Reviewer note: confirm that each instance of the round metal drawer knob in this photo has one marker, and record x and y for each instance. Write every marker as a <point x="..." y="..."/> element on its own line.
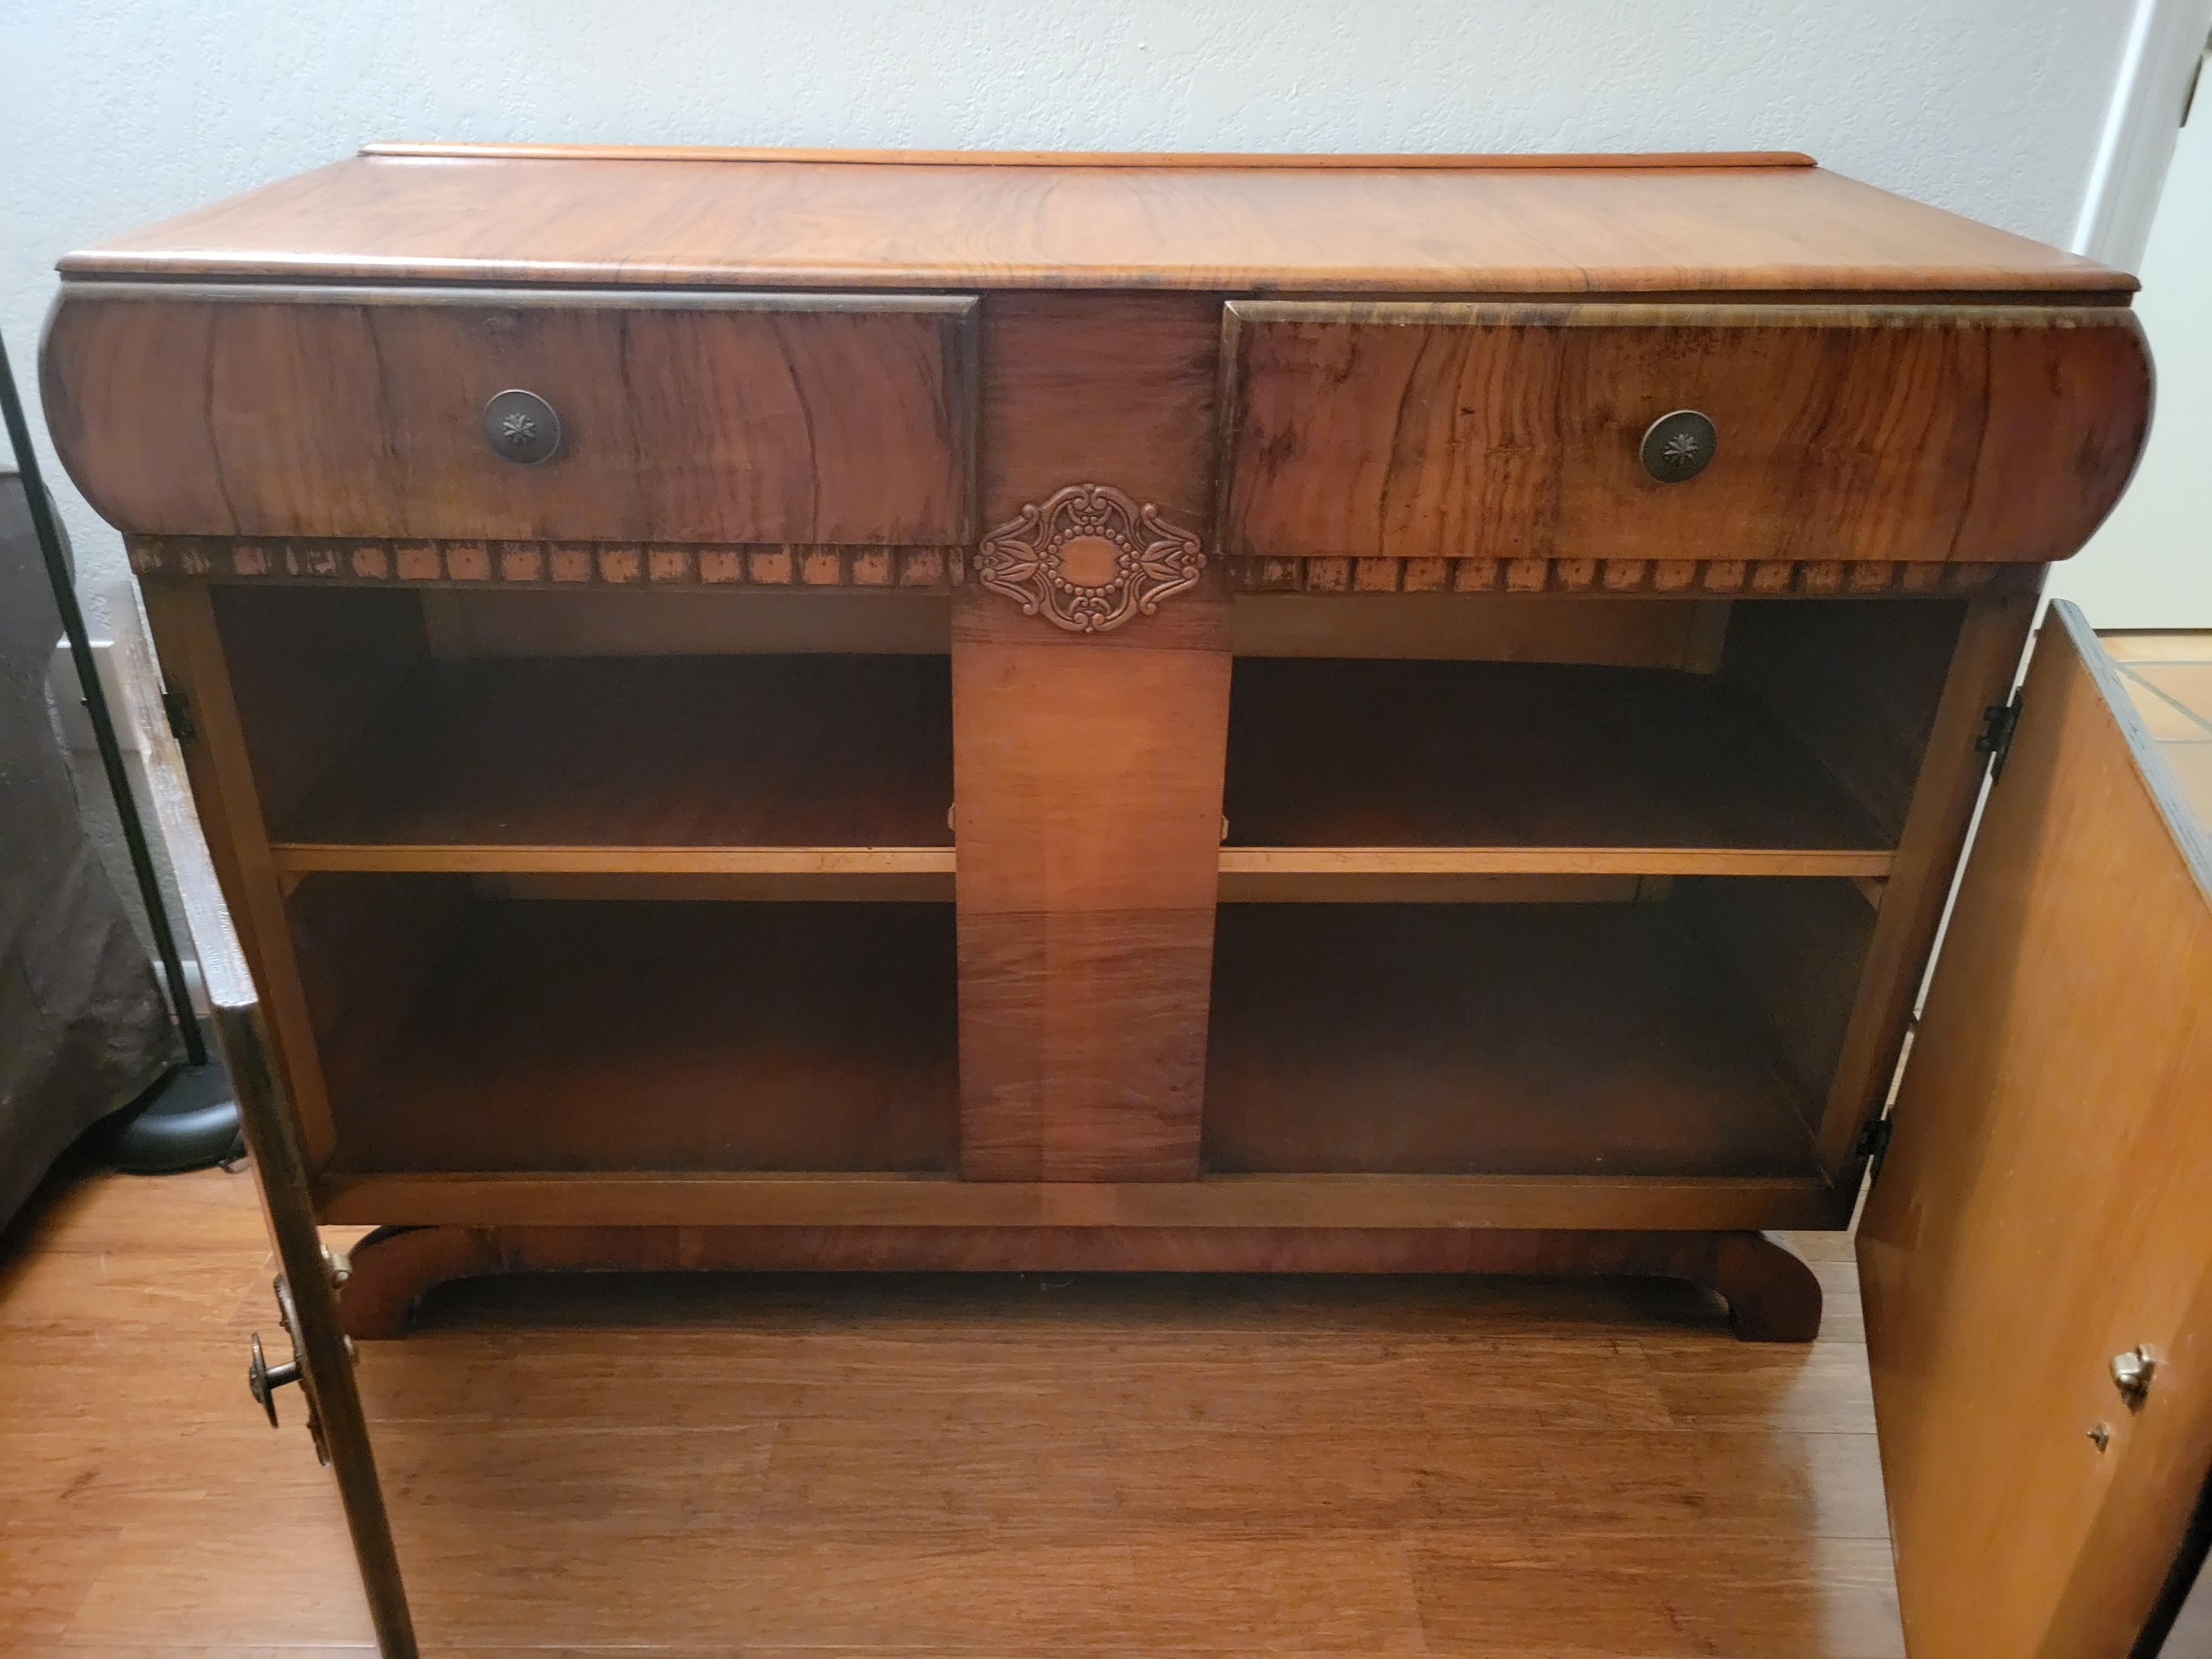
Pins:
<point x="1678" y="447"/>
<point x="521" y="425"/>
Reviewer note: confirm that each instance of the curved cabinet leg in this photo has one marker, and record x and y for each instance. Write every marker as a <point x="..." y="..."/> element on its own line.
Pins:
<point x="1772" y="1297"/>
<point x="393" y="1268"/>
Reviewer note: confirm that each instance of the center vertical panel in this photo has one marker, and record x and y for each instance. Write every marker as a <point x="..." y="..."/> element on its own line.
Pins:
<point x="1087" y="765"/>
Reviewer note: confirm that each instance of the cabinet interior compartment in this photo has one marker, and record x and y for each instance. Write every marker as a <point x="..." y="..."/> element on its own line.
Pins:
<point x="1687" y="1032"/>
<point x="1575" y="888"/>
<point x="461" y="1031"/>
<point x="798" y="750"/>
<point x="1474" y="738"/>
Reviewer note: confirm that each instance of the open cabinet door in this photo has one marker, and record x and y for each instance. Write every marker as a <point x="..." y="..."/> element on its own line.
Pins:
<point x="2046" y="1203"/>
<point x="306" y="1293"/>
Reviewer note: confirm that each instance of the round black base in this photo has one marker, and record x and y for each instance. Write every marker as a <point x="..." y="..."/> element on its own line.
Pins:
<point x="187" y="1120"/>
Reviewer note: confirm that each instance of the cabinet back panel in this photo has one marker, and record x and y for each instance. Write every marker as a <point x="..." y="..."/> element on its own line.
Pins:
<point x="309" y="669"/>
<point x="542" y="623"/>
<point x="1634" y="632"/>
<point x="1856" y="681"/>
<point x="1489" y="1039"/>
<point x="1793" y="949"/>
<point x="550" y="1035"/>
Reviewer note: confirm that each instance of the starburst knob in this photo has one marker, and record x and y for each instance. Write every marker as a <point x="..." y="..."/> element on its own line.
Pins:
<point x="521" y="425"/>
<point x="1678" y="447"/>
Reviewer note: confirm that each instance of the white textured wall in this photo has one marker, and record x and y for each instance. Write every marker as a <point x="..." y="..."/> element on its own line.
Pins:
<point x="113" y="113"/>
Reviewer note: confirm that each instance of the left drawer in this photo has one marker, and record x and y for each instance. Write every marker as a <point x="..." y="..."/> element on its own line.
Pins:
<point x="682" y="418"/>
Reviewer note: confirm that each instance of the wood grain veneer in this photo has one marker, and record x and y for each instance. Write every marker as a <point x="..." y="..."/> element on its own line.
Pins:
<point x="331" y="411"/>
<point x="969" y="223"/>
<point x="1090" y="158"/>
<point x="2042" y="1207"/>
<point x="703" y="1198"/>
<point x="1087" y="768"/>
<point x="1117" y="390"/>
<point x="1087" y="792"/>
<point x="1512" y="431"/>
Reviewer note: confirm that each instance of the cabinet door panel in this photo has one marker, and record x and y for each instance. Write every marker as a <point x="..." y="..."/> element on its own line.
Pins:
<point x="2047" y="1204"/>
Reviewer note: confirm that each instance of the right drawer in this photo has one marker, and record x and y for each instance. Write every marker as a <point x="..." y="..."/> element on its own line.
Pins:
<point x="1937" y="433"/>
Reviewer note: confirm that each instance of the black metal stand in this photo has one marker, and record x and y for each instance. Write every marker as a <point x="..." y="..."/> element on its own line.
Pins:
<point x="188" y="1119"/>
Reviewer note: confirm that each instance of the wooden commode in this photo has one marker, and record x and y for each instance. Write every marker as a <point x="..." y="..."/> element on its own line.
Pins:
<point x="789" y="709"/>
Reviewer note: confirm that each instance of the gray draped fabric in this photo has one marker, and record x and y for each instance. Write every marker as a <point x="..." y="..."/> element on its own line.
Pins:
<point x="84" y="1026"/>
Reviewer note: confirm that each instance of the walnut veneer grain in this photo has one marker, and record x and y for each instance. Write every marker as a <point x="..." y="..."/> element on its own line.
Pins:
<point x="321" y="411"/>
<point x="1512" y="432"/>
<point x="967" y="222"/>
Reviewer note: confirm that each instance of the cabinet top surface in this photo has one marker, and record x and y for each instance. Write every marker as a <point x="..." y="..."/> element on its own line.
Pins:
<point x="1630" y="224"/>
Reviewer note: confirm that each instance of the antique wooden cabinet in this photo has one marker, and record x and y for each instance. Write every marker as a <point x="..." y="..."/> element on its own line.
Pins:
<point x="762" y="709"/>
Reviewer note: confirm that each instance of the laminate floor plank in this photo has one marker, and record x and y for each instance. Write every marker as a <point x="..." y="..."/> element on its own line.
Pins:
<point x="1314" y="1385"/>
<point x="1561" y="1597"/>
<point x="916" y="1466"/>
<point x="1035" y="1481"/>
<point x="48" y="1563"/>
<point x="1813" y="1389"/>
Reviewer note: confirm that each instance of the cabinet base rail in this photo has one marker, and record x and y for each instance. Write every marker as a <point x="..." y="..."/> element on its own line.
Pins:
<point x="1771" y="1296"/>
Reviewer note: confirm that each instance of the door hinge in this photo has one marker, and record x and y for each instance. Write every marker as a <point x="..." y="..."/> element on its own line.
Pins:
<point x="1999" y="721"/>
<point x="1874" y="1144"/>
<point x="179" y="708"/>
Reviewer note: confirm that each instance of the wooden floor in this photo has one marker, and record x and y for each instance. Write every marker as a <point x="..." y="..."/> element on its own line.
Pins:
<point x="2170" y="677"/>
<point x="932" y="1466"/>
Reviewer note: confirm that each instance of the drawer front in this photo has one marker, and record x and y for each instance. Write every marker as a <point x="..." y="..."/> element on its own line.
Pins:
<point x="1519" y="431"/>
<point x="738" y="418"/>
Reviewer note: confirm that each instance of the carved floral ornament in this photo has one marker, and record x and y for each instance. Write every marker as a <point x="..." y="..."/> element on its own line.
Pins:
<point x="1089" y="559"/>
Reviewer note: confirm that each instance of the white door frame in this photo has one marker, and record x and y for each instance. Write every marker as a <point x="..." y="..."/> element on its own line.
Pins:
<point x="2165" y="40"/>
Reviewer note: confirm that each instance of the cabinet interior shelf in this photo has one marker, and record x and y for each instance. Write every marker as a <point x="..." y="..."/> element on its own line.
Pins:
<point x="1343" y="777"/>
